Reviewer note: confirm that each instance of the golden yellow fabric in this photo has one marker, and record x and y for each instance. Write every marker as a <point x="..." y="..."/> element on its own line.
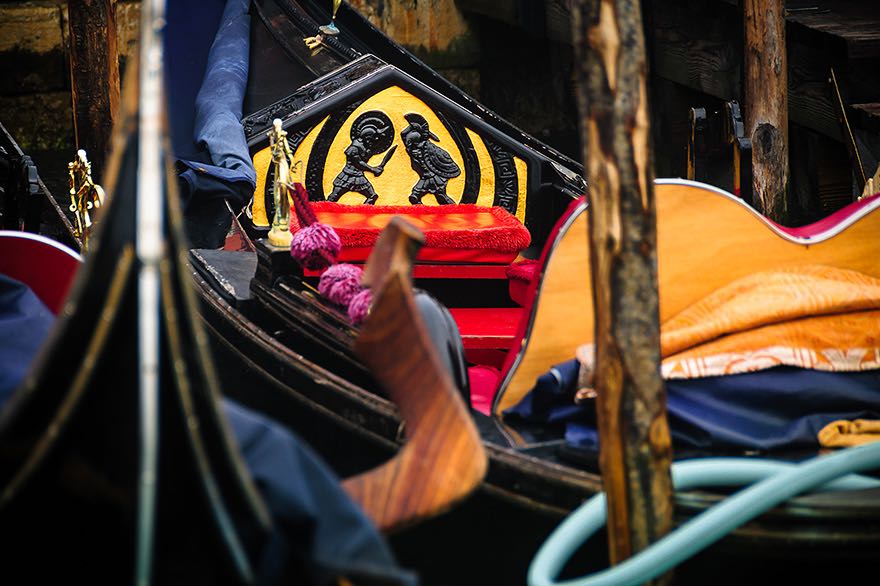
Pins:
<point x="810" y="316"/>
<point x="846" y="434"/>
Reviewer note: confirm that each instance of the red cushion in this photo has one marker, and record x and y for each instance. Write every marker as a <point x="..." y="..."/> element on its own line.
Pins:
<point x="532" y="289"/>
<point x="486" y="356"/>
<point x="44" y="265"/>
<point x="520" y="275"/>
<point x="487" y="328"/>
<point x="484" y="381"/>
<point x="453" y="233"/>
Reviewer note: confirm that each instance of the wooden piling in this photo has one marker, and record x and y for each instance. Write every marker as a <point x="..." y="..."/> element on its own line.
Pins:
<point x="611" y="72"/>
<point x="765" y="86"/>
<point x="94" y="76"/>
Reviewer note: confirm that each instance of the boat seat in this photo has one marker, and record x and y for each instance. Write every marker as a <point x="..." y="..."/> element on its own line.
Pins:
<point x="462" y="242"/>
<point x="46" y="266"/>
<point x="520" y="275"/>
<point x="484" y="328"/>
<point x="454" y="234"/>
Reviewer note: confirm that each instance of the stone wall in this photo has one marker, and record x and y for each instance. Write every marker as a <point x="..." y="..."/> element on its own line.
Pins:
<point x="34" y="69"/>
<point x="487" y="59"/>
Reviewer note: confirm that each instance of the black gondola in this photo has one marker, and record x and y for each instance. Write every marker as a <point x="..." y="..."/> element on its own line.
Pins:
<point x="120" y="459"/>
<point x="283" y="351"/>
<point x="286" y="352"/>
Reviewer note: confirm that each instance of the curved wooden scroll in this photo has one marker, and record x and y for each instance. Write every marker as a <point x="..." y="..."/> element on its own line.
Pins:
<point x="443" y="459"/>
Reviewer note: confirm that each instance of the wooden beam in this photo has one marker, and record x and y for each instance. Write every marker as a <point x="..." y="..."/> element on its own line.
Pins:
<point x="611" y="71"/>
<point x="766" y="103"/>
<point x="94" y="76"/>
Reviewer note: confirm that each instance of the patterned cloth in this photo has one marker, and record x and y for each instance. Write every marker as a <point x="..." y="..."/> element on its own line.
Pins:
<point x="780" y="408"/>
<point x="815" y="317"/>
<point x="778" y="360"/>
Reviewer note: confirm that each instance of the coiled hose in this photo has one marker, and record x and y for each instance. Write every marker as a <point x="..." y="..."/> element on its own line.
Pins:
<point x="776" y="482"/>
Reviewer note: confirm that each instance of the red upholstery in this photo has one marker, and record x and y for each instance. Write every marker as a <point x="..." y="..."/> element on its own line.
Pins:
<point x="453" y="233"/>
<point x="483" y="386"/>
<point x="44" y="265"/>
<point x="484" y="328"/>
<point x="444" y="271"/>
<point x="520" y="275"/>
<point x="486" y="356"/>
<point x="484" y="381"/>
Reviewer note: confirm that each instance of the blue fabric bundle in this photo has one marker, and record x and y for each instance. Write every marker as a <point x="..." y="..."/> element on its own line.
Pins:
<point x="207" y="44"/>
<point x="775" y="409"/>
<point x="24" y="323"/>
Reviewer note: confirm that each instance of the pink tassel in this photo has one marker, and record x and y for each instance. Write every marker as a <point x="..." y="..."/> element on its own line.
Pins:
<point x="359" y="307"/>
<point x="315" y="246"/>
<point x="340" y="283"/>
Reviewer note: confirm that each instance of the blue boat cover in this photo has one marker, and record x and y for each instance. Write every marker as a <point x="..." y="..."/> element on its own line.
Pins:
<point x="317" y="529"/>
<point x="207" y="47"/>
<point x="775" y="409"/>
<point x="24" y="324"/>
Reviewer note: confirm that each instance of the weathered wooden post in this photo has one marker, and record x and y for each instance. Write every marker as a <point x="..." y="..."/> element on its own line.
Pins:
<point x="636" y="451"/>
<point x="765" y="86"/>
<point x="94" y="76"/>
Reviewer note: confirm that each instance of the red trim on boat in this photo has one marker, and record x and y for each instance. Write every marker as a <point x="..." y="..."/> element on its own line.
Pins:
<point x="829" y="222"/>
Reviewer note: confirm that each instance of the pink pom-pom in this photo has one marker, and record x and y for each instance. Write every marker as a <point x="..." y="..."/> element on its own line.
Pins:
<point x="359" y="307"/>
<point x="316" y="246"/>
<point x="340" y="283"/>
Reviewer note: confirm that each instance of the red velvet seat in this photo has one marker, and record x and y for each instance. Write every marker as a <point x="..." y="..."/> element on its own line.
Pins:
<point x="462" y="242"/>
<point x="453" y="233"/>
<point x="524" y="277"/>
<point x="44" y="265"/>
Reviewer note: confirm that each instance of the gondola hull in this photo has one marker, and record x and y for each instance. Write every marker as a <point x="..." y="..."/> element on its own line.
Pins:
<point x="525" y="493"/>
<point x="301" y="374"/>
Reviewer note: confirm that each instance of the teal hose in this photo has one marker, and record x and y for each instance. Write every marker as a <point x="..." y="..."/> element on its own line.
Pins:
<point x="776" y="483"/>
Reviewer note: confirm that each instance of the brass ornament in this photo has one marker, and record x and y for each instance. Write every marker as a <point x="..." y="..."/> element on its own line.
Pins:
<point x="330" y="28"/>
<point x="282" y="158"/>
<point x="86" y="196"/>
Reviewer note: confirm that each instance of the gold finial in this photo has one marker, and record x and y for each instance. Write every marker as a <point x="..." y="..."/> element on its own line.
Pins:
<point x="86" y="196"/>
<point x="331" y="29"/>
<point x="282" y="156"/>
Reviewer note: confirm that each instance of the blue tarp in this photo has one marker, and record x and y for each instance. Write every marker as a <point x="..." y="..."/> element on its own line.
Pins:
<point x="775" y="409"/>
<point x="24" y="323"/>
<point x="207" y="48"/>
